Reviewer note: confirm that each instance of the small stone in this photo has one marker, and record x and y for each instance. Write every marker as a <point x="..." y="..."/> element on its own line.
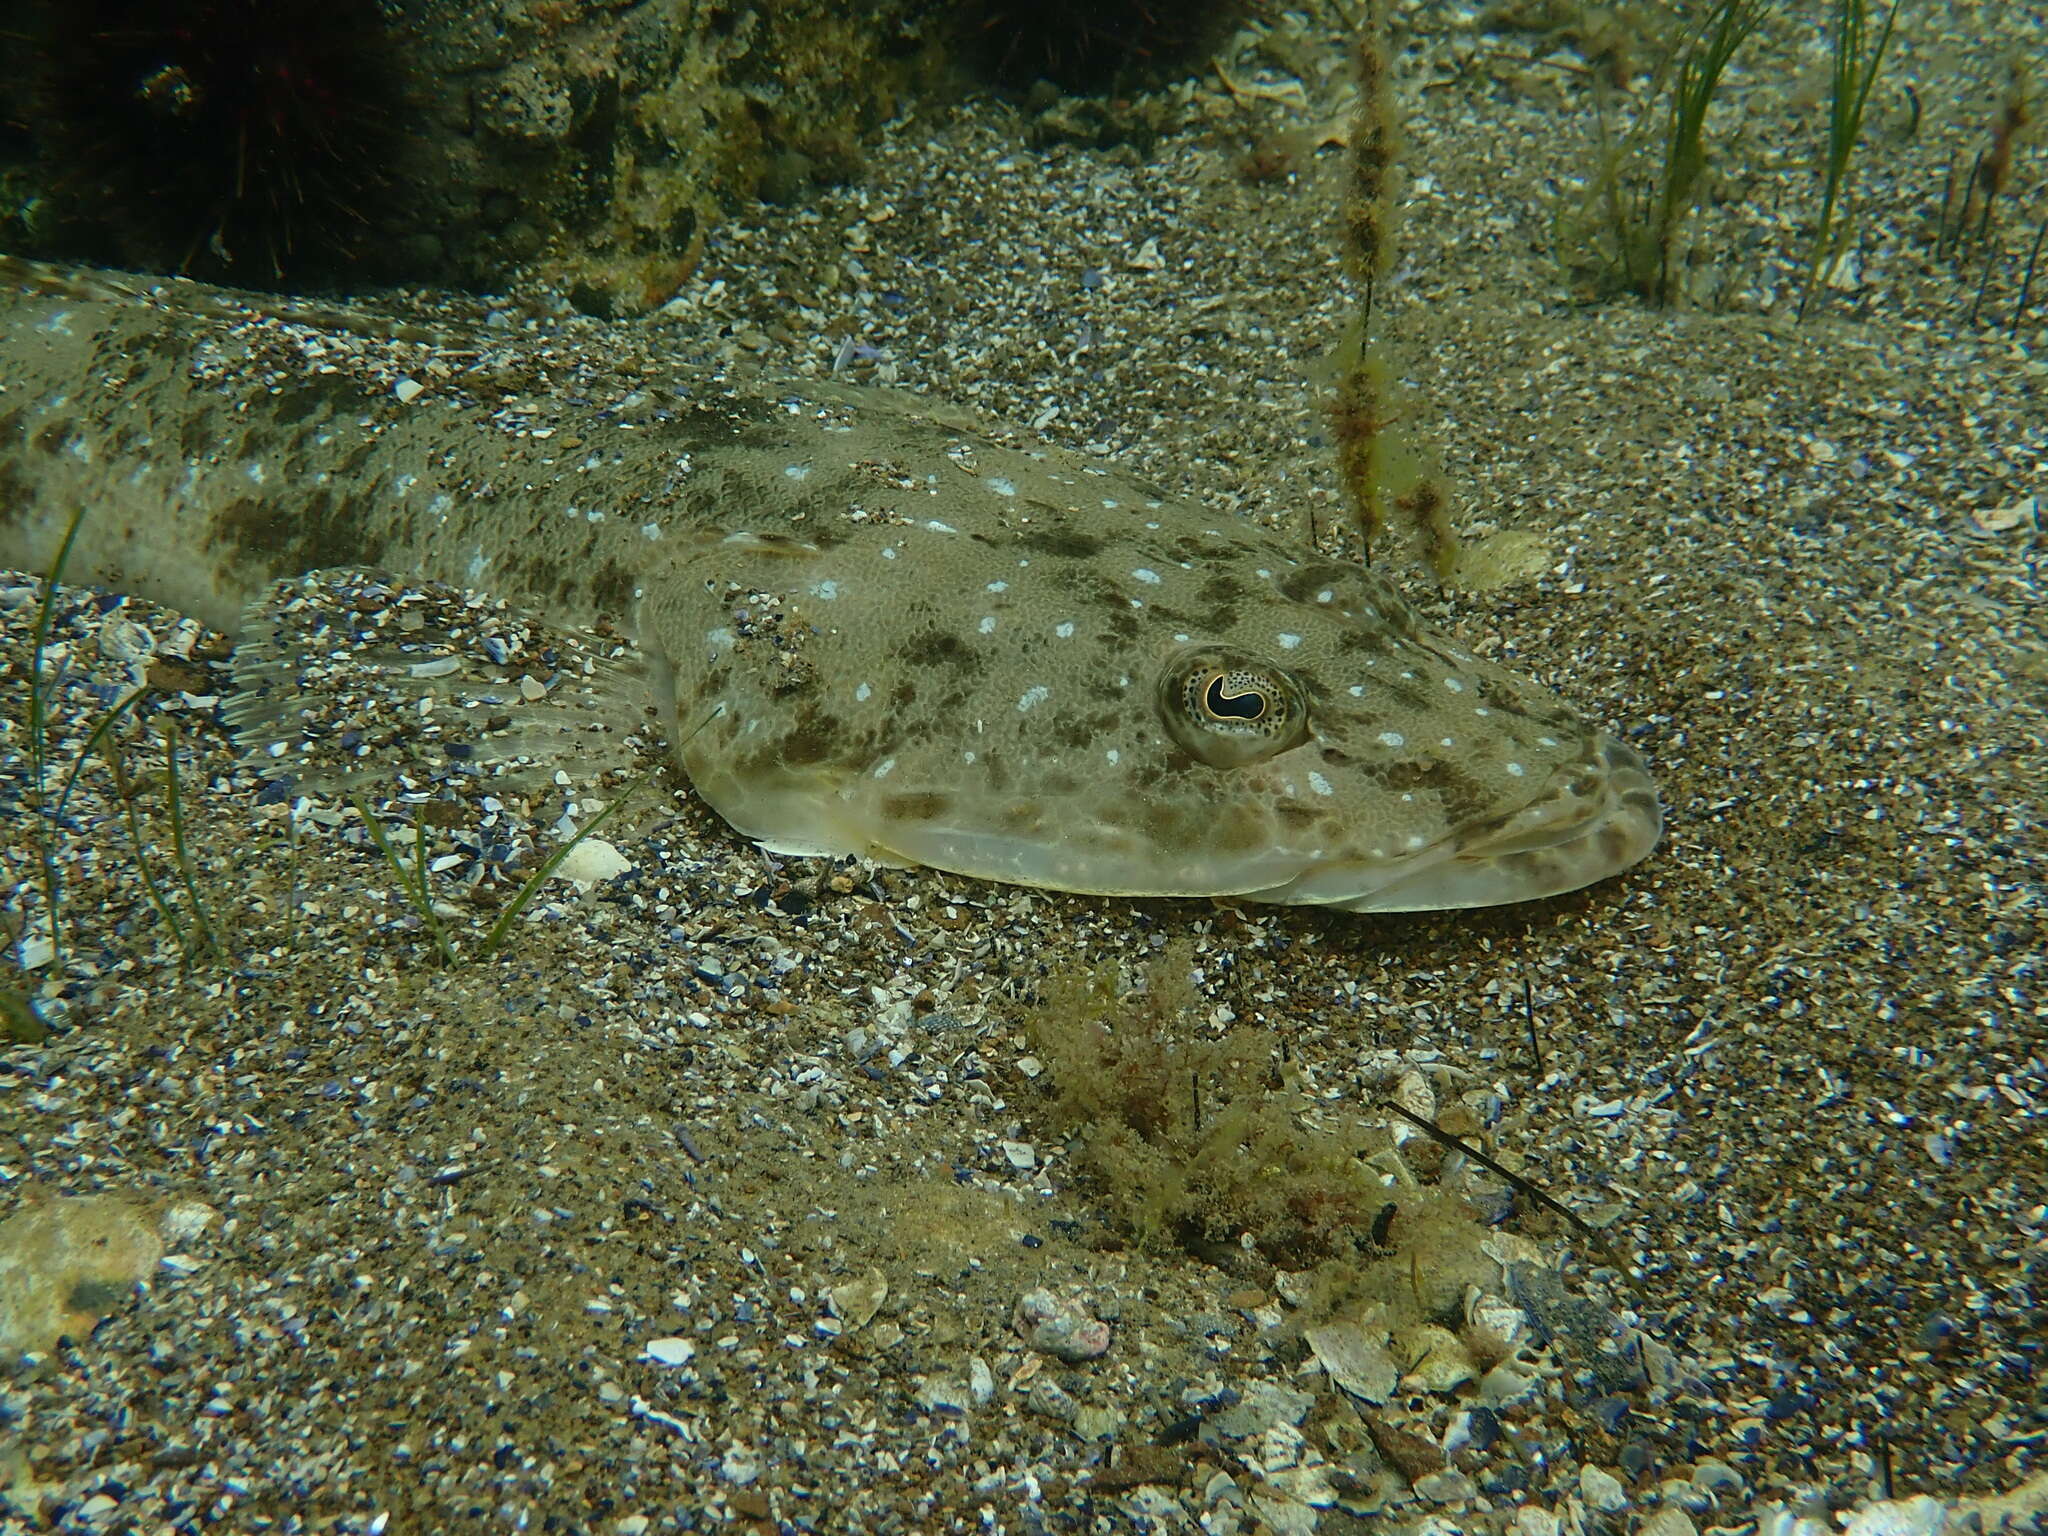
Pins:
<point x="1284" y="1516"/>
<point x="1264" y="1405"/>
<point x="942" y="1394"/>
<point x="1506" y="1383"/>
<point x="187" y="1220"/>
<point x="1715" y="1477"/>
<point x="1049" y="1400"/>
<point x="741" y="1464"/>
<point x="981" y="1382"/>
<point x="1601" y="1489"/>
<point x="1922" y="1515"/>
<point x="1493" y="1327"/>
<point x="1097" y="1423"/>
<point x="1446" y="1487"/>
<point x="1150" y="1502"/>
<point x="1356" y="1360"/>
<point x="856" y="1302"/>
<point x="1440" y="1362"/>
<point x="1668" y="1522"/>
<point x="1060" y="1328"/>
<point x="1531" y="1521"/>
<point x="2024" y="513"/>
<point x="1020" y="1154"/>
<point x="1413" y="1455"/>
<point x="1305" y="1485"/>
<point x="408" y="390"/>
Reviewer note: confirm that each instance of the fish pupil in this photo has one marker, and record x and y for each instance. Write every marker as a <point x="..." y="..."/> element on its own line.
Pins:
<point x="1248" y="705"/>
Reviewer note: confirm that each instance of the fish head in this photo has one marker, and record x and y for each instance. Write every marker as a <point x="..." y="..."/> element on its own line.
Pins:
<point x="1183" y="709"/>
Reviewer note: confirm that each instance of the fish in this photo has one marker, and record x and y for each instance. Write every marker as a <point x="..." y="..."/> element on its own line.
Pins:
<point x="875" y="626"/>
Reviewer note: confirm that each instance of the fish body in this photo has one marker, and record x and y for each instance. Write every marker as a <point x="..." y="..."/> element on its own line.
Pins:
<point x="901" y="634"/>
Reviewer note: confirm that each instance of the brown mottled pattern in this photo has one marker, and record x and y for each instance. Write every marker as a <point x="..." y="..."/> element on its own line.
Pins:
<point x="933" y="643"/>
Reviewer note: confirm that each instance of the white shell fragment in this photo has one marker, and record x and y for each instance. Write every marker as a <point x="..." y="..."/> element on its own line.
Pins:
<point x="1356" y="1360"/>
<point x="1493" y="1328"/>
<point x="592" y="862"/>
<point x="670" y="1351"/>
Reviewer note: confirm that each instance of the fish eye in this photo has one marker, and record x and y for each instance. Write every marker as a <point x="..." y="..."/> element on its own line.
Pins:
<point x="1229" y="709"/>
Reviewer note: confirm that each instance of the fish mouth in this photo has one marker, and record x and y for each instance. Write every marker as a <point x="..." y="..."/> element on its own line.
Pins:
<point x="1594" y="817"/>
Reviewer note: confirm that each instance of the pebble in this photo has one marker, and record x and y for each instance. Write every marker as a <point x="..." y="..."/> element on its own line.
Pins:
<point x="1284" y="1516"/>
<point x="857" y="1301"/>
<point x="741" y="1465"/>
<point x="1446" y="1487"/>
<point x="942" y="1394"/>
<point x="1440" y="1361"/>
<point x="1713" y="1477"/>
<point x="1264" y="1405"/>
<point x="1668" y="1522"/>
<point x="1095" y="1422"/>
<point x="1049" y="1400"/>
<point x="1356" y="1360"/>
<point x="1060" y="1327"/>
<point x="1601" y="1489"/>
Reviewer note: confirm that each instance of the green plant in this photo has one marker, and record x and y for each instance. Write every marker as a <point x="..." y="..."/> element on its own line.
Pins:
<point x="1702" y="59"/>
<point x="47" y="810"/>
<point x="412" y="878"/>
<point x="210" y="939"/>
<point x="1854" y="72"/>
<point x="40" y="690"/>
<point x="202" y="940"/>
<point x="1640" y="193"/>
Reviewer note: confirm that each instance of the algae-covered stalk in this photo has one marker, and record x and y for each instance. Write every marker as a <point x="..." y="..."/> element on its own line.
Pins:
<point x="1854" y="72"/>
<point x="1377" y="462"/>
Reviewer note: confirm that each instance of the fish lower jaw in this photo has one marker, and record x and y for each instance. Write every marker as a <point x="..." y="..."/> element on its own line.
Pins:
<point x="1594" y="820"/>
